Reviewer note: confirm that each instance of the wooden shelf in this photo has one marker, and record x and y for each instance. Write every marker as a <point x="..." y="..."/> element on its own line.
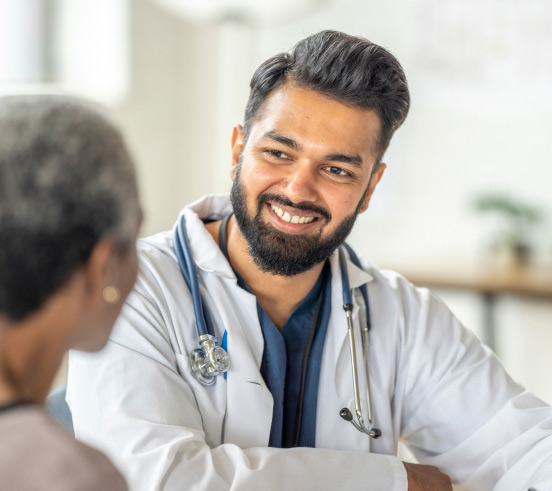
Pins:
<point x="527" y="281"/>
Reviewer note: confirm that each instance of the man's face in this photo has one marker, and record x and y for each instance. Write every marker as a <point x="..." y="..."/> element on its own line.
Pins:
<point x="302" y="178"/>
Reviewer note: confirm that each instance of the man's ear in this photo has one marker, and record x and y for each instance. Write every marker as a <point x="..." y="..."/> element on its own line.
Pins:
<point x="237" y="148"/>
<point x="98" y="269"/>
<point x="374" y="180"/>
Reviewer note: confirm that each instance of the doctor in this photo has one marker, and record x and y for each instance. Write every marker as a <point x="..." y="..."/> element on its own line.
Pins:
<point x="305" y="164"/>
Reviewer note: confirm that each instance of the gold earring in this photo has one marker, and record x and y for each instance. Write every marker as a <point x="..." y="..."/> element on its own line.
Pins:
<point x="111" y="294"/>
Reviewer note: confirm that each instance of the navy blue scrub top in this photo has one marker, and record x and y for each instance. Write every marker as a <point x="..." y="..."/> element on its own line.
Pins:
<point x="281" y="366"/>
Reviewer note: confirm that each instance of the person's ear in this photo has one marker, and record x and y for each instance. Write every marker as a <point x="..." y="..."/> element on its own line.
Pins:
<point x="99" y="275"/>
<point x="237" y="148"/>
<point x="374" y="180"/>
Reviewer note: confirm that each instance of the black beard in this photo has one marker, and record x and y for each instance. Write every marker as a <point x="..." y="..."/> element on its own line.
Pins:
<point x="279" y="253"/>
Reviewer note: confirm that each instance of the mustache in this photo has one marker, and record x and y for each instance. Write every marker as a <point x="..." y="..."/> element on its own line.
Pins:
<point x="303" y="205"/>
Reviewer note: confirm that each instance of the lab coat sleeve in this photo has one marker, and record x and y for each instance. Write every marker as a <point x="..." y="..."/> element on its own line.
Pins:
<point x="131" y="402"/>
<point x="461" y="410"/>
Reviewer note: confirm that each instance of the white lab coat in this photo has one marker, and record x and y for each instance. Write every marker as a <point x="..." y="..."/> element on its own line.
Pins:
<point x="433" y="385"/>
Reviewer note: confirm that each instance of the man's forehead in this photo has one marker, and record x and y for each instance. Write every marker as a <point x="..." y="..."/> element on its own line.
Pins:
<point x="292" y="105"/>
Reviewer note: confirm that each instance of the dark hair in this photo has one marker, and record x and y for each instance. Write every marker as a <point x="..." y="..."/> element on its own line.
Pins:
<point x="66" y="180"/>
<point x="346" y="68"/>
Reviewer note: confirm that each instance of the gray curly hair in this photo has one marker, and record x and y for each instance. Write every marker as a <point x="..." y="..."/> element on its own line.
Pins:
<point x="66" y="181"/>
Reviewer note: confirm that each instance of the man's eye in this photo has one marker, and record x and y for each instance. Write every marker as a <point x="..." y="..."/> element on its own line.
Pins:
<point x="277" y="154"/>
<point x="338" y="171"/>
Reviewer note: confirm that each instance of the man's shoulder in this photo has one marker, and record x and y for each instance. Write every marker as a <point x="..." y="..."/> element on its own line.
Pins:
<point x="390" y="288"/>
<point x="386" y="278"/>
<point x="161" y="242"/>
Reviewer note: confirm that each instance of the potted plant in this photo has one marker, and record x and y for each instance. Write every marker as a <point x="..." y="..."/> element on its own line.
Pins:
<point x="513" y="239"/>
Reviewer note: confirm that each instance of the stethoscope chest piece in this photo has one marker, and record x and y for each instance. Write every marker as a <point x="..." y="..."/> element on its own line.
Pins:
<point x="209" y="360"/>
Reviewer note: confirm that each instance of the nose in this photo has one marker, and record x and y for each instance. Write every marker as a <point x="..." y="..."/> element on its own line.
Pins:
<point x="301" y="184"/>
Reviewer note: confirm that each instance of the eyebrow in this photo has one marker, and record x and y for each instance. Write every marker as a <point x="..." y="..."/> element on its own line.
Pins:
<point x="284" y="140"/>
<point x="355" y="159"/>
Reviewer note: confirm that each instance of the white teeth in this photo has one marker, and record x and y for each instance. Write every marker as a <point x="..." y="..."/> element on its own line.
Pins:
<point x="286" y="217"/>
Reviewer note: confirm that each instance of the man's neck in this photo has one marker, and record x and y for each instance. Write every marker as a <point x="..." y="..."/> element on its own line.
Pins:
<point x="277" y="295"/>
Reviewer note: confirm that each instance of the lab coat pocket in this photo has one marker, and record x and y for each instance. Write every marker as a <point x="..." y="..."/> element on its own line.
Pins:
<point x="249" y="413"/>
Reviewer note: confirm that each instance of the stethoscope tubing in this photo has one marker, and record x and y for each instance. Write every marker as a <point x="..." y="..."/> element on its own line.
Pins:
<point x="359" y="424"/>
<point x="188" y="268"/>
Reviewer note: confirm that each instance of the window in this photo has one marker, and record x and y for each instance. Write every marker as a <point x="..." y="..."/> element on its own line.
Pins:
<point x="73" y="45"/>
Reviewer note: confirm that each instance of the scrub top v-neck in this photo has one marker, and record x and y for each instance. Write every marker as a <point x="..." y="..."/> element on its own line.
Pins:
<point x="291" y="360"/>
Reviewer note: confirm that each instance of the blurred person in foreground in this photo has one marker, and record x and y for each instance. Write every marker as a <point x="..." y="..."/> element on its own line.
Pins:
<point x="270" y="260"/>
<point x="69" y="217"/>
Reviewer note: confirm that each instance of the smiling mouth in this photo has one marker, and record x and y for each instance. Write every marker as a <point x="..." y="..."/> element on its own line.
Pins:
<point x="287" y="217"/>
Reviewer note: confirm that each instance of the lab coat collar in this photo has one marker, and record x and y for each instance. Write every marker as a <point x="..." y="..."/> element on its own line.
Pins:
<point x="357" y="276"/>
<point x="207" y="255"/>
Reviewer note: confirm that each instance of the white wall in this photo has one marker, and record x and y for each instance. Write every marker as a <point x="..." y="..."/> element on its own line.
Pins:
<point x="480" y="120"/>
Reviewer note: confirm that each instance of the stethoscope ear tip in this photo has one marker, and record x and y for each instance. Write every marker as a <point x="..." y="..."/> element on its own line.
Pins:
<point x="375" y="433"/>
<point x="346" y="414"/>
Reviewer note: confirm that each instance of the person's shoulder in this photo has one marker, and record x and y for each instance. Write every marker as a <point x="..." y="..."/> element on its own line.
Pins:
<point x="395" y="280"/>
<point x="161" y="242"/>
<point x="59" y="461"/>
<point x="156" y="258"/>
<point x="387" y="278"/>
<point x="391" y="289"/>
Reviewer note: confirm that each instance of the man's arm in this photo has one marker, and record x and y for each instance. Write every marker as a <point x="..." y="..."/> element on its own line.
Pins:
<point x="461" y="411"/>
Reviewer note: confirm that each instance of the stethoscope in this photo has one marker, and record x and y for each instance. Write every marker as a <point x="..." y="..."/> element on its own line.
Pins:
<point x="210" y="360"/>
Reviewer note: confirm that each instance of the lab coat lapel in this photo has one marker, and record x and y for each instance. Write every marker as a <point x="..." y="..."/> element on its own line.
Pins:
<point x="249" y="403"/>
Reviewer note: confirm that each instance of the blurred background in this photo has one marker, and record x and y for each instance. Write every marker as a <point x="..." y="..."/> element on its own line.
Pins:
<point x="464" y="206"/>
